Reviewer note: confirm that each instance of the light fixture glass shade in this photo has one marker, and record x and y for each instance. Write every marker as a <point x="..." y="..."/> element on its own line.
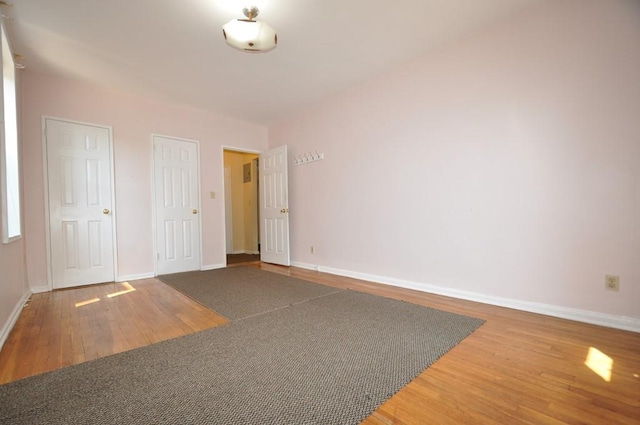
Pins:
<point x="249" y="35"/>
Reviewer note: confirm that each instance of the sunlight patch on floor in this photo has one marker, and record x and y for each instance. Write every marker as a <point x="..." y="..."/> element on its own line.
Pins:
<point x="600" y="363"/>
<point x="83" y="303"/>
<point x="127" y="288"/>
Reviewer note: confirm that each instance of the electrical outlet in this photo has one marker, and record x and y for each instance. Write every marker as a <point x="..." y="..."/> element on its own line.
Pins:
<point x="612" y="283"/>
<point x="212" y="195"/>
<point x="312" y="250"/>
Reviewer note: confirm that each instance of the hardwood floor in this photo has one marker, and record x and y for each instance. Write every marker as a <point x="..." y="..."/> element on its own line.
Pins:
<point x="517" y="368"/>
<point x="242" y="259"/>
<point x="71" y="326"/>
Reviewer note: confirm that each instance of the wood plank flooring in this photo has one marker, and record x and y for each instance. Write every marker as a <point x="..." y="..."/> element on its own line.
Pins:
<point x="71" y="326"/>
<point x="518" y="368"/>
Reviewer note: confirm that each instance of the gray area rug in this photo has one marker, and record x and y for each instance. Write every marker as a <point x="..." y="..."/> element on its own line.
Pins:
<point x="330" y="360"/>
<point x="239" y="292"/>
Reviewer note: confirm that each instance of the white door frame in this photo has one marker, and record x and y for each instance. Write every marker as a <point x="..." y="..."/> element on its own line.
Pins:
<point x="228" y="218"/>
<point x="153" y="197"/>
<point x="47" y="217"/>
<point x="224" y="220"/>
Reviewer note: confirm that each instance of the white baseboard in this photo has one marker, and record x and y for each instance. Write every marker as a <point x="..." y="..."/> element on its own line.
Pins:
<point x="213" y="267"/>
<point x="13" y="318"/>
<point x="244" y="251"/>
<point x="305" y="265"/>
<point x="592" y="317"/>
<point x="134" y="277"/>
<point x="47" y="288"/>
<point x="40" y="289"/>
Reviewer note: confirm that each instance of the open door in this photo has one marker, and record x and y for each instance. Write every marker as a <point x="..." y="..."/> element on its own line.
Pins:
<point x="274" y="207"/>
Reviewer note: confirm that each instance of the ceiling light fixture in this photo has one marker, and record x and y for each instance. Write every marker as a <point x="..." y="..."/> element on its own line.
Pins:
<point x="249" y="35"/>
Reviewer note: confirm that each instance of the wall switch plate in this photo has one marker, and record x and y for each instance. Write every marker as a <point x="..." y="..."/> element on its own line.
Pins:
<point x="612" y="282"/>
<point x="212" y="195"/>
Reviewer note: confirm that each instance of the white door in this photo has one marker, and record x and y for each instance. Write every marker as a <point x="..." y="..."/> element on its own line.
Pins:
<point x="274" y="207"/>
<point x="176" y="205"/>
<point x="81" y="224"/>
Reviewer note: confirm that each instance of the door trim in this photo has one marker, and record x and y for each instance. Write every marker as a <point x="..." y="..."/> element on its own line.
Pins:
<point x="228" y="233"/>
<point x="153" y="198"/>
<point x="224" y="215"/>
<point x="47" y="217"/>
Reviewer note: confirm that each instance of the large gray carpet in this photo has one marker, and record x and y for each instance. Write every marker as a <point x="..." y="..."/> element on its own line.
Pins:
<point x="330" y="360"/>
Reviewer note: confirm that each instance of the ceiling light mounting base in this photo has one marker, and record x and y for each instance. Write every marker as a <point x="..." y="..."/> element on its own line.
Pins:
<point x="251" y="12"/>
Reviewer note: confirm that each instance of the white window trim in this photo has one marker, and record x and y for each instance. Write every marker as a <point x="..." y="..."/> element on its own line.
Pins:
<point x="5" y="53"/>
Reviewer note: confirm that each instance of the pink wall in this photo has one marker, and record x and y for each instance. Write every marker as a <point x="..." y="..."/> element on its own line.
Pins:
<point x="13" y="281"/>
<point x="506" y="164"/>
<point x="133" y="121"/>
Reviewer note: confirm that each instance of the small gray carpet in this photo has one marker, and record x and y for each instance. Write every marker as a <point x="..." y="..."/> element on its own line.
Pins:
<point x="330" y="360"/>
<point x="240" y="292"/>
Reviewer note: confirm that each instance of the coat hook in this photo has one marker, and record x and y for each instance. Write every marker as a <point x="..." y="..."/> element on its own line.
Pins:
<point x="306" y="157"/>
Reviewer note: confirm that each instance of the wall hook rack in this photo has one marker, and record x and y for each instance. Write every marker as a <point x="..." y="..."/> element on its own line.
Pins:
<point x="307" y="157"/>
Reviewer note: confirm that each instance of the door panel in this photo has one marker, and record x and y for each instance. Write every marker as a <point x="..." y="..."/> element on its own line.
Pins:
<point x="80" y="203"/>
<point x="274" y="207"/>
<point x="177" y="209"/>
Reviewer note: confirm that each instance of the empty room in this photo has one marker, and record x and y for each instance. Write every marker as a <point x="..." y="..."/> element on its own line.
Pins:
<point x="320" y="212"/>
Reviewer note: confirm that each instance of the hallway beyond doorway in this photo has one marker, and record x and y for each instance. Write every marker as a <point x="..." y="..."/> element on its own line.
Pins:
<point x="242" y="258"/>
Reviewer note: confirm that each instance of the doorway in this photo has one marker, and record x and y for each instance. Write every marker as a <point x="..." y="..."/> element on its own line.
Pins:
<point x="242" y="222"/>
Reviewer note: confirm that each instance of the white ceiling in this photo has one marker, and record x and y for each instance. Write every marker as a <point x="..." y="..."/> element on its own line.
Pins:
<point x="173" y="51"/>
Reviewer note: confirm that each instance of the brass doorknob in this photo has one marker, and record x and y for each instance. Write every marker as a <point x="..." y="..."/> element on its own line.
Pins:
<point x="105" y="211"/>
<point x="195" y="211"/>
<point x="284" y="210"/>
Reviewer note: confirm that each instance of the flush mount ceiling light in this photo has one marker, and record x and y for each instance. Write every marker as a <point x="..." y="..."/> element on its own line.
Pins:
<point x="249" y="35"/>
